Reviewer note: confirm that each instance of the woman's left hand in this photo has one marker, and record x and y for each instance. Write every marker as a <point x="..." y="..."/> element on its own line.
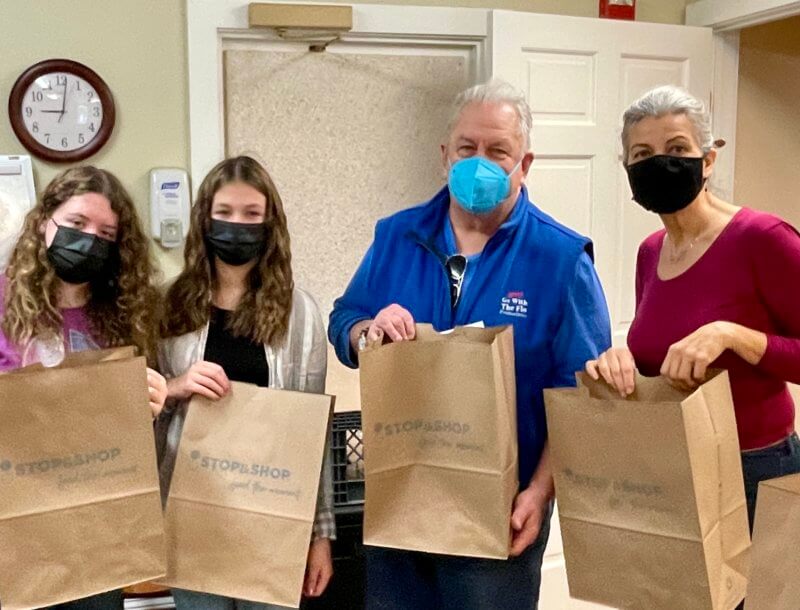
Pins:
<point x="319" y="568"/>
<point x="157" y="386"/>
<point x="688" y="360"/>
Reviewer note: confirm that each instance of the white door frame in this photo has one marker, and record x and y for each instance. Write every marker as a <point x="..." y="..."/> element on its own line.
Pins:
<point x="727" y="18"/>
<point x="213" y="24"/>
<point x="726" y="15"/>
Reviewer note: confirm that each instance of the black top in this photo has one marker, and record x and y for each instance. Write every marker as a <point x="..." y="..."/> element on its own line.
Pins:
<point x="241" y="358"/>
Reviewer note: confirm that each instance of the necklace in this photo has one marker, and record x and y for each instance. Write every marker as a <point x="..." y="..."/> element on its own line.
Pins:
<point x="675" y="256"/>
<point x="713" y="227"/>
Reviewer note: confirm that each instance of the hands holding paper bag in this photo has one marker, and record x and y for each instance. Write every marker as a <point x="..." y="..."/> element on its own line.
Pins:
<point x="617" y="368"/>
<point x="687" y="360"/>
<point x="157" y="388"/>
<point x="684" y="367"/>
<point x="206" y="379"/>
<point x="530" y="506"/>
<point x="393" y="321"/>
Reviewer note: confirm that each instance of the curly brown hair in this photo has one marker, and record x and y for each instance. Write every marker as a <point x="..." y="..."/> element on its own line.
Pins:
<point x="121" y="308"/>
<point x="263" y="313"/>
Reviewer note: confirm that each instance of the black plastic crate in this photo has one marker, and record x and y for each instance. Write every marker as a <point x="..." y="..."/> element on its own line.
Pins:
<point x="347" y="448"/>
<point x="346" y="589"/>
<point x="349" y="543"/>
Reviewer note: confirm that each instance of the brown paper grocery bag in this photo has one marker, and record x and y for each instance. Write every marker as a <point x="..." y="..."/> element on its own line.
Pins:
<point x="440" y="442"/>
<point x="91" y="356"/>
<point x="243" y="495"/>
<point x="650" y="494"/>
<point x="775" y="573"/>
<point x="80" y="510"/>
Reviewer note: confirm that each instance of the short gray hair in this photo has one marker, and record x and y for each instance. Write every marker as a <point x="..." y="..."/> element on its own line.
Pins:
<point x="495" y="92"/>
<point x="664" y="100"/>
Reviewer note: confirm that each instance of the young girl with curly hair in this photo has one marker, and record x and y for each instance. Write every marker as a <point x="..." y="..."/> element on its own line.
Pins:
<point x="80" y="278"/>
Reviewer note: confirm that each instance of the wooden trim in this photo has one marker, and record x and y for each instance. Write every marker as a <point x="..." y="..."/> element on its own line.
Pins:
<point x="300" y="16"/>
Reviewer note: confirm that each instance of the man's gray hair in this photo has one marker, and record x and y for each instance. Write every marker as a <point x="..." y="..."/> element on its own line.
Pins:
<point x="664" y="100"/>
<point x="495" y="92"/>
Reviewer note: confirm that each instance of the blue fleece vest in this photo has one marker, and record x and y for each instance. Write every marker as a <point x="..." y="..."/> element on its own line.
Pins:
<point x="533" y="273"/>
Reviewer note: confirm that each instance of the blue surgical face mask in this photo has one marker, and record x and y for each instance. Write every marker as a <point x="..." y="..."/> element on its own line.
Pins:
<point x="479" y="185"/>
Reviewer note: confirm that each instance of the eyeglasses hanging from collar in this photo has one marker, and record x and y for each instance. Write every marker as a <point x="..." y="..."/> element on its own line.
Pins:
<point x="456" y="266"/>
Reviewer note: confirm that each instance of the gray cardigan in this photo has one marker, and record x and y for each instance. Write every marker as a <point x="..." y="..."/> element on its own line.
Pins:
<point x="299" y="364"/>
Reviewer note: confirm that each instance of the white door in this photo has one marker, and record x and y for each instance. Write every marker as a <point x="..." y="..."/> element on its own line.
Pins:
<point x="579" y="75"/>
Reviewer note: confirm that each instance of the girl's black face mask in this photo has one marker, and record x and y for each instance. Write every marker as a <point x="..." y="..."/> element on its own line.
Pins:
<point x="665" y="184"/>
<point x="79" y="257"/>
<point x="236" y="243"/>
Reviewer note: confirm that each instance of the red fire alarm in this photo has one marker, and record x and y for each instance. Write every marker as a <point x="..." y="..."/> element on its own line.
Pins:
<point x="618" y="9"/>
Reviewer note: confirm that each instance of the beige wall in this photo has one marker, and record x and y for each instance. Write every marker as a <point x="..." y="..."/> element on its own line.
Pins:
<point x="324" y="145"/>
<point x="139" y="48"/>
<point x="768" y="122"/>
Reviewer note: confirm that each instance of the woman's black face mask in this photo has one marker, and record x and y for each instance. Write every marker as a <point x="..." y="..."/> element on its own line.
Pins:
<point x="79" y="257"/>
<point x="236" y="243"/>
<point x="666" y="184"/>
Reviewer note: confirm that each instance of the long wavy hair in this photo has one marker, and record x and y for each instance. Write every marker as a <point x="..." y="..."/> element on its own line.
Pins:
<point x="263" y="313"/>
<point x="121" y="308"/>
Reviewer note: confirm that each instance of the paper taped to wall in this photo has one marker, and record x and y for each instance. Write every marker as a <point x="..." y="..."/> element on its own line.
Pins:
<point x="17" y="197"/>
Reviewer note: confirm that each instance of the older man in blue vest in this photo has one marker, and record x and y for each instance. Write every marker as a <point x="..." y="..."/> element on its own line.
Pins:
<point x="480" y="251"/>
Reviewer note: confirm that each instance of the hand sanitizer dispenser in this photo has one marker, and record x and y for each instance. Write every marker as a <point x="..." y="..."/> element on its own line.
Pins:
<point x="170" y="201"/>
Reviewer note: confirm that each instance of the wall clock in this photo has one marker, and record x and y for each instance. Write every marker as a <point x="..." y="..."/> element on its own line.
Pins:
<point x="61" y="110"/>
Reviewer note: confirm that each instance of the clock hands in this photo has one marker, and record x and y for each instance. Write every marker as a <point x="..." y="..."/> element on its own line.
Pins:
<point x="63" y="101"/>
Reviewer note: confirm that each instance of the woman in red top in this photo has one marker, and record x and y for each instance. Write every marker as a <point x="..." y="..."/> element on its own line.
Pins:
<point x="716" y="288"/>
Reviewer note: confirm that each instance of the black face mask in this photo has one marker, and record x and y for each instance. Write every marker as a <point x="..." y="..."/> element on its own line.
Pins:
<point x="79" y="257"/>
<point x="665" y="184"/>
<point x="236" y="243"/>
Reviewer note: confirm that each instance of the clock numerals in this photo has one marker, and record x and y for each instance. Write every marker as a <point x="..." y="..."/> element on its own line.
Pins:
<point x="65" y="118"/>
<point x="62" y="110"/>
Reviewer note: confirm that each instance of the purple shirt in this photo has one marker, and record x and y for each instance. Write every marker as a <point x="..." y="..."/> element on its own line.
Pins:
<point x="76" y="330"/>
<point x="749" y="276"/>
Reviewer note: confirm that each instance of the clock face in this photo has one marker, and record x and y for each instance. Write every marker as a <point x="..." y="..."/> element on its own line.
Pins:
<point x="62" y="111"/>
